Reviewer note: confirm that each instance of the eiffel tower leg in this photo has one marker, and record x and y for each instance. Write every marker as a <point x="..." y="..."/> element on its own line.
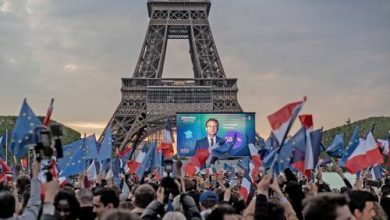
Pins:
<point x="205" y="56"/>
<point x="128" y="121"/>
<point x="151" y="60"/>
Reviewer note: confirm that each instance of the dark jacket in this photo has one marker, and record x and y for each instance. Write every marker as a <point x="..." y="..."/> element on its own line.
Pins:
<point x="86" y="213"/>
<point x="204" y="143"/>
<point x="261" y="211"/>
<point x="155" y="210"/>
<point x="189" y="206"/>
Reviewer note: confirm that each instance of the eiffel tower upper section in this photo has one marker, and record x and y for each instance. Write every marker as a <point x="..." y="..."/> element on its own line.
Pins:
<point x="179" y="20"/>
<point x="148" y="99"/>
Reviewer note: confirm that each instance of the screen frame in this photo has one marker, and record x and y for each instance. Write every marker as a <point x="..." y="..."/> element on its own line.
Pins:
<point x="178" y="114"/>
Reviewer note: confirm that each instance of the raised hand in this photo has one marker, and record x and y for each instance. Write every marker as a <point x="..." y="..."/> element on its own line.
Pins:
<point x="80" y="179"/>
<point x="36" y="167"/>
<point x="319" y="175"/>
<point x="227" y="194"/>
<point x="110" y="182"/>
<point x="311" y="189"/>
<point x="160" y="194"/>
<point x="100" y="177"/>
<point x="359" y="184"/>
<point x="263" y="185"/>
<point x="51" y="189"/>
<point x="276" y="188"/>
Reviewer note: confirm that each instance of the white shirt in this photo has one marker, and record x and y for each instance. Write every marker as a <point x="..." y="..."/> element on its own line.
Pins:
<point x="214" y="140"/>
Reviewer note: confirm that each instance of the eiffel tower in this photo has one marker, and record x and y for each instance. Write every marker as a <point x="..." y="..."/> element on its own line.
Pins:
<point x="148" y="99"/>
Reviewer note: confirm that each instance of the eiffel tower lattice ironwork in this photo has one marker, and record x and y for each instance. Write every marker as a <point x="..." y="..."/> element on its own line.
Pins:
<point x="148" y="99"/>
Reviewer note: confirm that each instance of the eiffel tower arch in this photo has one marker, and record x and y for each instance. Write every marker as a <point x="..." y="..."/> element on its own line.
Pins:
<point x="148" y="99"/>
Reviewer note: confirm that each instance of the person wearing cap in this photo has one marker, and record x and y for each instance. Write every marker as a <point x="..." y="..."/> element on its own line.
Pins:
<point x="207" y="200"/>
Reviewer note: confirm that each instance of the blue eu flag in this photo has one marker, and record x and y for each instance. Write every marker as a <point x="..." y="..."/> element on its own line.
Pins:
<point x="76" y="163"/>
<point x="23" y="133"/>
<point x="336" y="149"/>
<point x="90" y="148"/>
<point x="69" y="151"/>
<point x="105" y="150"/>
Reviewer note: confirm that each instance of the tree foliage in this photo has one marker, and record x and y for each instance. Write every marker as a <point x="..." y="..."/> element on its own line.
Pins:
<point x="8" y="123"/>
<point x="381" y="129"/>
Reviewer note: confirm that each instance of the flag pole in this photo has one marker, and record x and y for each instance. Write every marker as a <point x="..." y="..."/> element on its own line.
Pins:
<point x="28" y="160"/>
<point x="6" y="145"/>
<point x="373" y="128"/>
<point x="84" y="148"/>
<point x="15" y="161"/>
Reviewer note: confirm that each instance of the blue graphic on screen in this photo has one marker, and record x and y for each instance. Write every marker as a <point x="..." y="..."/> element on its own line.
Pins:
<point x="238" y="129"/>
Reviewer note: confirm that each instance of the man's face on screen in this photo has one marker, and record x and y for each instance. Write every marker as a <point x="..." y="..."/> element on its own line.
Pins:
<point x="211" y="128"/>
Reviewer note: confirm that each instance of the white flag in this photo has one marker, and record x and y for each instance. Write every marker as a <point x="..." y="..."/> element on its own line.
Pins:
<point x="91" y="171"/>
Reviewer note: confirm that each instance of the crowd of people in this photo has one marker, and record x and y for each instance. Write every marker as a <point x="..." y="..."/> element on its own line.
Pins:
<point x="201" y="197"/>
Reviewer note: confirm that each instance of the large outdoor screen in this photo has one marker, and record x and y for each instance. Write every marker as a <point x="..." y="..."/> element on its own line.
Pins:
<point x="196" y="130"/>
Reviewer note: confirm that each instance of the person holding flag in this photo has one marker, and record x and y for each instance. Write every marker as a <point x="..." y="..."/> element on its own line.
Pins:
<point x="8" y="203"/>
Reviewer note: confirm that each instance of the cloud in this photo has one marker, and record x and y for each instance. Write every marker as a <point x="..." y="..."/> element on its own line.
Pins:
<point x="70" y="67"/>
<point x="5" y="7"/>
<point x="336" y="53"/>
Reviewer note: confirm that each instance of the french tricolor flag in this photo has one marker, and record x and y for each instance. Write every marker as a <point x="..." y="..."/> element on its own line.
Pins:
<point x="166" y="145"/>
<point x="4" y="169"/>
<point x="245" y="188"/>
<point x="256" y="162"/>
<point x="254" y="151"/>
<point x="366" y="154"/>
<point x="124" y="152"/>
<point x="312" y="145"/>
<point x="91" y="172"/>
<point x="254" y="171"/>
<point x="196" y="162"/>
<point x="46" y="120"/>
<point x="133" y="165"/>
<point x="307" y="122"/>
<point x="299" y="145"/>
<point x="62" y="181"/>
<point x="199" y="160"/>
<point x="282" y="120"/>
<point x="384" y="146"/>
<point x="190" y="168"/>
<point x="54" y="169"/>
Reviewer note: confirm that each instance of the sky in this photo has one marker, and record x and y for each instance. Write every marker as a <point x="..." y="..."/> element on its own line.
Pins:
<point x="337" y="53"/>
